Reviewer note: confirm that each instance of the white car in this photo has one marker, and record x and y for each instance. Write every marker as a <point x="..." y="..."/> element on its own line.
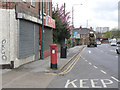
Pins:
<point x="98" y="43"/>
<point x="113" y="43"/>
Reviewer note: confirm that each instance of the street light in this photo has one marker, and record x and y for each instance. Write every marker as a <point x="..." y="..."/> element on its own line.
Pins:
<point x="73" y="18"/>
<point x="87" y="22"/>
<point x="73" y="13"/>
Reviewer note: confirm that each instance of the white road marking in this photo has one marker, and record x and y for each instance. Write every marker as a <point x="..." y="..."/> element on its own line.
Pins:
<point x="82" y="83"/>
<point x="95" y="67"/>
<point x="115" y="79"/>
<point x="103" y="71"/>
<point x="72" y="82"/>
<point x="94" y="82"/>
<point x="87" y="83"/>
<point x="89" y="51"/>
<point x="86" y="60"/>
<point x="116" y="56"/>
<point x="105" y="83"/>
<point x="90" y="63"/>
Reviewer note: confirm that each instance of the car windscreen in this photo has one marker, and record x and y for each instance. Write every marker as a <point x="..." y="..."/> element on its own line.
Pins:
<point x="113" y="41"/>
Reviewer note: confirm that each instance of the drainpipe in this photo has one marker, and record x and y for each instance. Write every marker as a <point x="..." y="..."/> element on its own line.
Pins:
<point x="6" y="4"/>
<point x="39" y="31"/>
<point x="42" y="28"/>
<point x="39" y="9"/>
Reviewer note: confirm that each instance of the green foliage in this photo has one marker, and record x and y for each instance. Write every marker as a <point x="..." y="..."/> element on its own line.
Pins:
<point x="114" y="33"/>
<point x="61" y="31"/>
<point x="69" y="42"/>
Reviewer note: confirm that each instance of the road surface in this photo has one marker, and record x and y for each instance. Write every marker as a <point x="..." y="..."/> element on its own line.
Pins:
<point x="94" y="67"/>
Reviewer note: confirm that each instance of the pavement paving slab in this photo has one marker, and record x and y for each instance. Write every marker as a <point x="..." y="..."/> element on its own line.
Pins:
<point x="32" y="75"/>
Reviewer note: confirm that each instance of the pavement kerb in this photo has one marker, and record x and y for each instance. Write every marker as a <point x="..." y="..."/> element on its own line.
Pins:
<point x="71" y="59"/>
<point x="61" y="68"/>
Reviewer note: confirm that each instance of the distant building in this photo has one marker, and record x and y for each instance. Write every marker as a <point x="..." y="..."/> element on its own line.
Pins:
<point x="81" y="33"/>
<point x="102" y="29"/>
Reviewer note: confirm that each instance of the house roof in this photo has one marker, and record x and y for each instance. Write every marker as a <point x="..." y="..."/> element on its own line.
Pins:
<point x="81" y="31"/>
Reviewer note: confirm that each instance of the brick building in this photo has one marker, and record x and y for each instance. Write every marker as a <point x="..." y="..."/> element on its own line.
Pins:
<point x="82" y="34"/>
<point x="21" y="30"/>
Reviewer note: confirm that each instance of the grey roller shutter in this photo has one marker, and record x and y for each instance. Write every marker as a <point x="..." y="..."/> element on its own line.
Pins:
<point x="36" y="46"/>
<point x="26" y="39"/>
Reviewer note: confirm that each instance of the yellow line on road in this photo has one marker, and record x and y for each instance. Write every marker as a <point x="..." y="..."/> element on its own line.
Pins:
<point x="69" y="68"/>
<point x="70" y="65"/>
<point x="73" y="63"/>
<point x="51" y="73"/>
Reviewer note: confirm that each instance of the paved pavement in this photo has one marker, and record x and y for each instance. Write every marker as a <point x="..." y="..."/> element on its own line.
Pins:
<point x="32" y="75"/>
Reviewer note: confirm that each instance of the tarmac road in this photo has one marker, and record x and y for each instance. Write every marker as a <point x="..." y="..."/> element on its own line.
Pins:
<point x="95" y="67"/>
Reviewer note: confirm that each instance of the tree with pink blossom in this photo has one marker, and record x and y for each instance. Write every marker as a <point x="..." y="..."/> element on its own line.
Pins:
<point x="62" y="22"/>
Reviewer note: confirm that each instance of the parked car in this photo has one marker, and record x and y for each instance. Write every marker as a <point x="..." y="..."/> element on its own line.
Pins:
<point x="113" y="42"/>
<point x="118" y="47"/>
<point x="98" y="43"/>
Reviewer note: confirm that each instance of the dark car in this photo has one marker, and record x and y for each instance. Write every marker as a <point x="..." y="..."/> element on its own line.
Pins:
<point x="118" y="47"/>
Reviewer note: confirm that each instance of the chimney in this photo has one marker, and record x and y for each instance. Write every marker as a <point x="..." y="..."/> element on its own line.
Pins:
<point x="80" y="27"/>
<point x="90" y="28"/>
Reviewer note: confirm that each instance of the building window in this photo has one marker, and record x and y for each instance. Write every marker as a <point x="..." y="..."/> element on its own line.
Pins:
<point x="24" y="0"/>
<point x="44" y="3"/>
<point x="33" y="3"/>
<point x="48" y="7"/>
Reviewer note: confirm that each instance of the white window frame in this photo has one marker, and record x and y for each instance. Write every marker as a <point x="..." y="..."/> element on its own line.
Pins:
<point x="33" y="3"/>
<point x="24" y="0"/>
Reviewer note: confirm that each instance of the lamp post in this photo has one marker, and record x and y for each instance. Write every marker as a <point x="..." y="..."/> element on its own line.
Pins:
<point x="42" y="28"/>
<point x="87" y="24"/>
<point x="73" y="13"/>
<point x="73" y="18"/>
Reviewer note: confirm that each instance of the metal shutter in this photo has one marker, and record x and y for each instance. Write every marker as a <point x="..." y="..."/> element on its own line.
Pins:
<point x="26" y="39"/>
<point x="36" y="47"/>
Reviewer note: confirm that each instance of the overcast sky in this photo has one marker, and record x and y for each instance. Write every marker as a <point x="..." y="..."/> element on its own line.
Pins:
<point x="99" y="13"/>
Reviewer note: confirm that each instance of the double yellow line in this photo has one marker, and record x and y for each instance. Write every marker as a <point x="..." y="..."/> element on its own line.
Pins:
<point x="69" y="68"/>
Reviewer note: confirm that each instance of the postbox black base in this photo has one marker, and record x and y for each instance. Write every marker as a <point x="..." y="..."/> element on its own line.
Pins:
<point x="53" y="66"/>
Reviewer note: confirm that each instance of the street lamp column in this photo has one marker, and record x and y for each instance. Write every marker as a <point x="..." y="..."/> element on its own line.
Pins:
<point x="87" y="24"/>
<point x="73" y="13"/>
<point x="73" y="18"/>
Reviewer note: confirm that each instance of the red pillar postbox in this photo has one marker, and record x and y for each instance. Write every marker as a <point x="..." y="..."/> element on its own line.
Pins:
<point x="53" y="49"/>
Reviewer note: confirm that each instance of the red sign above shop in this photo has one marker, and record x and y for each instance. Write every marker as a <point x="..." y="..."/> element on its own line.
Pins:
<point x="49" y="22"/>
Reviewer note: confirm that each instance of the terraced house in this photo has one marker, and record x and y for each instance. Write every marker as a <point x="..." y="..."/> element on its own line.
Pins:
<point x="21" y="31"/>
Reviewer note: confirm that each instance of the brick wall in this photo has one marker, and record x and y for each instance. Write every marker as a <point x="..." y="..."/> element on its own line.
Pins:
<point x="46" y="6"/>
<point x="28" y="9"/>
<point x="7" y="5"/>
<point x="25" y="7"/>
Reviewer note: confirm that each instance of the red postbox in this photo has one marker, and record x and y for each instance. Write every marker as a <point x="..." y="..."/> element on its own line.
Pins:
<point x="53" y="49"/>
